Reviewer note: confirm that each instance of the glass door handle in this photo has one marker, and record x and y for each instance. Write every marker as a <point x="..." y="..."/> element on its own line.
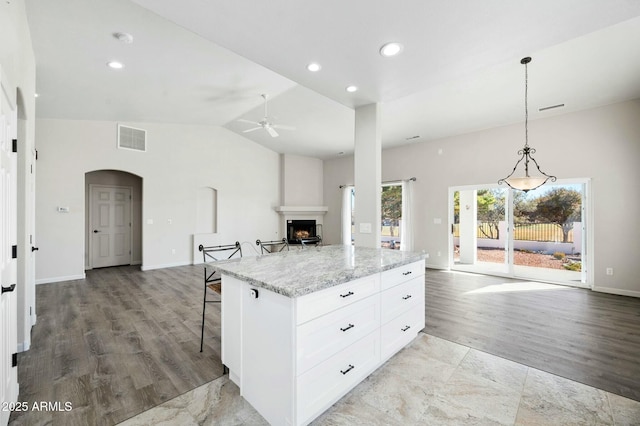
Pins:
<point x="8" y="289"/>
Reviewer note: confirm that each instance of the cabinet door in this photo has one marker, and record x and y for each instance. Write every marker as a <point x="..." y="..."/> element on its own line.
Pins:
<point x="324" y="384"/>
<point x="324" y="301"/>
<point x="400" y="331"/>
<point x="325" y="336"/>
<point x="401" y="298"/>
<point x="268" y="353"/>
<point x="403" y="273"/>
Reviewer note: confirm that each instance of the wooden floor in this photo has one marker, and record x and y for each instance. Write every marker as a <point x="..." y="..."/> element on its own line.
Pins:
<point x="589" y="337"/>
<point x="123" y="341"/>
<point x="116" y="344"/>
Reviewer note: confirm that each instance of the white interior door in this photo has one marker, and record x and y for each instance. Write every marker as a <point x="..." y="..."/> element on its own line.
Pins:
<point x="31" y="230"/>
<point x="110" y="226"/>
<point x="8" y="264"/>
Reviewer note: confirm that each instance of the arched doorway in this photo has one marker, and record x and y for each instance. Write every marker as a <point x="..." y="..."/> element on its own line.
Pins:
<point x="113" y="231"/>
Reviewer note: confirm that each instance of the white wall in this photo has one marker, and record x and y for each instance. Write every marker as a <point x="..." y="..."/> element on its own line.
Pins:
<point x="337" y="172"/>
<point x="17" y="62"/>
<point x="601" y="144"/>
<point x="302" y="181"/>
<point x="179" y="160"/>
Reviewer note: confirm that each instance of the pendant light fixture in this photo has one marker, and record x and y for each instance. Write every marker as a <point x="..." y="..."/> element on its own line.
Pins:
<point x="526" y="183"/>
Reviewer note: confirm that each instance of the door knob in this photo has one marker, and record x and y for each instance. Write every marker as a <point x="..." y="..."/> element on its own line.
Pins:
<point x="95" y="231"/>
<point x="34" y="248"/>
<point x="8" y="289"/>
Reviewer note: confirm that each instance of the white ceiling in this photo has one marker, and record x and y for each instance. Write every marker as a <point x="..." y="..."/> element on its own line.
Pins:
<point x="208" y="62"/>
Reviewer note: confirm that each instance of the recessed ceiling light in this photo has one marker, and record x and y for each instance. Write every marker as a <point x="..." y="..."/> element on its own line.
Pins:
<point x="351" y="89"/>
<point x="115" y="65"/>
<point x="314" y="67"/>
<point x="391" y="49"/>
<point x="36" y="95"/>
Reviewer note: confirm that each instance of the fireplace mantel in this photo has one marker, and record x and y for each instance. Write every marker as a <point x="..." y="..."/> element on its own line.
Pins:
<point x="297" y="210"/>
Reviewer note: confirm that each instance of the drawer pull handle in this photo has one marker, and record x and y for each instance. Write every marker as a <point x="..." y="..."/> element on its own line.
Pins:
<point x="351" y="367"/>
<point x="347" y="295"/>
<point x="347" y="327"/>
<point x="408" y="296"/>
<point x="406" y="273"/>
<point x="405" y="328"/>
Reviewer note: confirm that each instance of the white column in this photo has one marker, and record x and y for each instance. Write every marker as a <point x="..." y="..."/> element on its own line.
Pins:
<point x="368" y="176"/>
<point x="468" y="226"/>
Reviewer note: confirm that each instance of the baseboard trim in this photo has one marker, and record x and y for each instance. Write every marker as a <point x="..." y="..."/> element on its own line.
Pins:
<point x="428" y="266"/>
<point x="166" y="265"/>
<point x="60" y="279"/>
<point x="618" y="291"/>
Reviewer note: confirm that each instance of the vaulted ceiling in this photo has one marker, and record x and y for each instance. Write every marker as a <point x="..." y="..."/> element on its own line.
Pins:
<point x="208" y="63"/>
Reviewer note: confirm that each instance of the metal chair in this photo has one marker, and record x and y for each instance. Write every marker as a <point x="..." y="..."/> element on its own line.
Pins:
<point x="311" y="241"/>
<point x="274" y="246"/>
<point x="211" y="282"/>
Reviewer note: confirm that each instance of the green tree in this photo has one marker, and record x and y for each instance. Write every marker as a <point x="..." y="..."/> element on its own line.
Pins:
<point x="523" y="207"/>
<point x="391" y="202"/>
<point x="491" y="210"/>
<point x="561" y="206"/>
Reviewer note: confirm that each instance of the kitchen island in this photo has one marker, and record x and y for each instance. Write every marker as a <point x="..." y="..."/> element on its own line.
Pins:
<point x="302" y="328"/>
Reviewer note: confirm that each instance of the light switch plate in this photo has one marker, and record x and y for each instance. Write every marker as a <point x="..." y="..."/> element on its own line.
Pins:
<point x="365" y="228"/>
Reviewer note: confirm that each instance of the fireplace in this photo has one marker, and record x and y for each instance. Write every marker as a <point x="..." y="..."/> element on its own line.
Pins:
<point x="302" y="231"/>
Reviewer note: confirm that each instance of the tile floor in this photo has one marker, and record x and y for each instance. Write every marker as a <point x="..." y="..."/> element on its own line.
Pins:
<point x="430" y="382"/>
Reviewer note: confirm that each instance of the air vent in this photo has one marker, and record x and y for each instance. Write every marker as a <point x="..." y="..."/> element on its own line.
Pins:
<point x="132" y="138"/>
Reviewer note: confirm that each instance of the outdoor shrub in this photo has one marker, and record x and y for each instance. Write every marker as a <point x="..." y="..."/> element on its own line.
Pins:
<point x="575" y="266"/>
<point x="559" y="255"/>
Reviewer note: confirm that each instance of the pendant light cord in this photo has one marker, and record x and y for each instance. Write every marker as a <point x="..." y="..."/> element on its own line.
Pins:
<point x="526" y="106"/>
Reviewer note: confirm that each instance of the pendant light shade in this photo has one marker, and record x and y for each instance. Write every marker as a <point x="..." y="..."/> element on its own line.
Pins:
<point x="526" y="182"/>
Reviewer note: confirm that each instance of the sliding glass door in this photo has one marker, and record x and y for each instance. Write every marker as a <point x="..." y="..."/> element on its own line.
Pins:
<point x="479" y="231"/>
<point x="536" y="235"/>
<point x="396" y="224"/>
<point x="548" y="233"/>
<point x="391" y="215"/>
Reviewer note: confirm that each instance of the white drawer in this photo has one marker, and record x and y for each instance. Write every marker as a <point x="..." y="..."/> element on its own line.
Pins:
<point x="401" y="298"/>
<point x="324" y="301"/>
<point x="398" y="275"/>
<point x="329" y="381"/>
<point x="401" y="330"/>
<point x="327" y="335"/>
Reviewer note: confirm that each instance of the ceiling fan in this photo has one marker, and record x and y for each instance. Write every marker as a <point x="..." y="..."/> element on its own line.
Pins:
<point x="265" y="123"/>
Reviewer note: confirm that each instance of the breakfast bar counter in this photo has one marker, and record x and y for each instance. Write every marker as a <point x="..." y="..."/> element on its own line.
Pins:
<point x="302" y="328"/>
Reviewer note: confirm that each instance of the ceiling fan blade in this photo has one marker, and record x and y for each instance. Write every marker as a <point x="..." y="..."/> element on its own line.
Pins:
<point x="242" y="120"/>
<point x="252" y="130"/>
<point x="283" y="127"/>
<point x="272" y="132"/>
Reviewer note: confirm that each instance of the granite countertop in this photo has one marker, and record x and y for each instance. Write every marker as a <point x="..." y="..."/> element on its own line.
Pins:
<point x="298" y="272"/>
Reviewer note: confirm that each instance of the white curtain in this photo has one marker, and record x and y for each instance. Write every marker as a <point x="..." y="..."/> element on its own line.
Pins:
<point x="406" y="228"/>
<point x="346" y="215"/>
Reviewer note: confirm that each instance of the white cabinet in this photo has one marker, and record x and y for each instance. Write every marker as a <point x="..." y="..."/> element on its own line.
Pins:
<point x="294" y="357"/>
<point x="323" y="385"/>
<point x="327" y="335"/>
<point x="321" y="302"/>
<point x="402" y="306"/>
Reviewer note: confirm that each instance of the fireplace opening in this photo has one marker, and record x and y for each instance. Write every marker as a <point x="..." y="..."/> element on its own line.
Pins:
<point x="302" y="231"/>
